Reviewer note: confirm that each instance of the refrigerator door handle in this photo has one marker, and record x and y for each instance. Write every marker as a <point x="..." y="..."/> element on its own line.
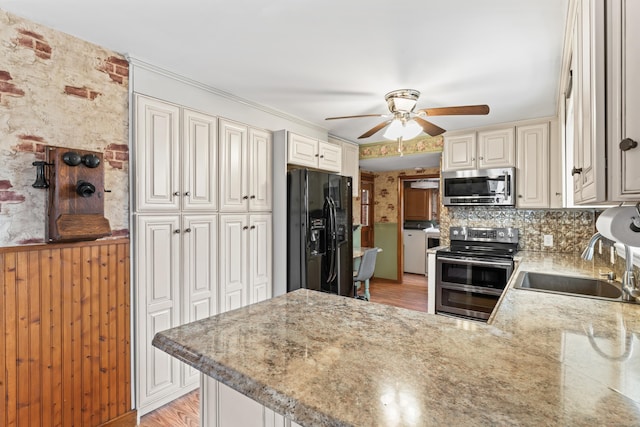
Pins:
<point x="334" y="239"/>
<point x="331" y="274"/>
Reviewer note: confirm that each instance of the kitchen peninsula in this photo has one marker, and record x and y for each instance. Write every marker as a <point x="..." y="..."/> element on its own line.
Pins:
<point x="325" y="360"/>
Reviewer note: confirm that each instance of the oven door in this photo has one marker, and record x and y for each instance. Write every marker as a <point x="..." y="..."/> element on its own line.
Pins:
<point x="466" y="301"/>
<point x="469" y="286"/>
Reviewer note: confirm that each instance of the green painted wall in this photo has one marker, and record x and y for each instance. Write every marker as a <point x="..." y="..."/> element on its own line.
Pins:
<point x="386" y="238"/>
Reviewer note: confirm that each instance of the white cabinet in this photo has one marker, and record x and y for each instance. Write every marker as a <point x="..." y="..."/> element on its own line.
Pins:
<point x="245" y="168"/>
<point x="532" y="178"/>
<point x="459" y="152"/>
<point x="484" y="150"/>
<point x="310" y="152"/>
<point x="222" y="406"/>
<point x="623" y="99"/>
<point x="176" y="278"/>
<point x="588" y="61"/>
<point x="350" y="165"/>
<point x="175" y="154"/>
<point x="245" y="259"/>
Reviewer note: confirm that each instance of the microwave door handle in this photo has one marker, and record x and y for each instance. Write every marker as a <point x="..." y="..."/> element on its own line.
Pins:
<point x="507" y="185"/>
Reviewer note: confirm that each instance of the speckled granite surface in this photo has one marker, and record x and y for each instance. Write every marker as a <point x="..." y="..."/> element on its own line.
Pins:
<point x="325" y="360"/>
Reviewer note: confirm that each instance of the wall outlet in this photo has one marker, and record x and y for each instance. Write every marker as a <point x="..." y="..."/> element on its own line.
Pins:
<point x="548" y="240"/>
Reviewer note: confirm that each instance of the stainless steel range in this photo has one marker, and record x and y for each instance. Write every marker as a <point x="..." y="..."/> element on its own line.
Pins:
<point x="473" y="272"/>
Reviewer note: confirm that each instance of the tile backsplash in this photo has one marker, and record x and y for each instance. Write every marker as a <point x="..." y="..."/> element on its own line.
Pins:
<point x="571" y="228"/>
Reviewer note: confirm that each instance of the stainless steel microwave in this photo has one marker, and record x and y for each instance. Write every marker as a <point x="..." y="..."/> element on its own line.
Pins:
<point x="482" y="187"/>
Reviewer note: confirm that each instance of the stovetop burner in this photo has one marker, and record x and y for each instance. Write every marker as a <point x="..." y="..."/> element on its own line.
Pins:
<point x="482" y="241"/>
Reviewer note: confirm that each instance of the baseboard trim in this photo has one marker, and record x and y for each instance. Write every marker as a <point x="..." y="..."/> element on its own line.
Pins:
<point x="130" y="419"/>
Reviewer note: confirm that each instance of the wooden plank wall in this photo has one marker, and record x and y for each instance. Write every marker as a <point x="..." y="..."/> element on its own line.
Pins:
<point x="65" y="351"/>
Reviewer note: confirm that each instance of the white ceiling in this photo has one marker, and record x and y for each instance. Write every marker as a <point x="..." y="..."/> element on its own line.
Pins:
<point x="316" y="59"/>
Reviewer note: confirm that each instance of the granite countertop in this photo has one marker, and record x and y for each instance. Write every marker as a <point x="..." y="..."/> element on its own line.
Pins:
<point x="326" y="360"/>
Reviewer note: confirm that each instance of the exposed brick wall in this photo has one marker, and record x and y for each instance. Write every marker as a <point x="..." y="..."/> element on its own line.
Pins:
<point x="7" y="88"/>
<point x="57" y="90"/>
<point x="116" y="155"/>
<point x="7" y="195"/>
<point x="81" y="92"/>
<point x="35" y="42"/>
<point x="31" y="144"/>
<point x="117" y="69"/>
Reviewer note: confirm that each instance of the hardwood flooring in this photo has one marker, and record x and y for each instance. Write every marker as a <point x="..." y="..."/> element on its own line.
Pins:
<point x="411" y="294"/>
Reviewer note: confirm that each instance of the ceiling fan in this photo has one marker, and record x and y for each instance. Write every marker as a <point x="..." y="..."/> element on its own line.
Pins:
<point x="405" y="122"/>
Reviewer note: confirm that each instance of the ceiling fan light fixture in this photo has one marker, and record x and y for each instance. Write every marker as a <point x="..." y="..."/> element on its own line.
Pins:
<point x="406" y="130"/>
<point x="403" y="100"/>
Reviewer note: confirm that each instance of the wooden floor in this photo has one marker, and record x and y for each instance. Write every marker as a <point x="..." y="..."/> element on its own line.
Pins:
<point x="411" y="294"/>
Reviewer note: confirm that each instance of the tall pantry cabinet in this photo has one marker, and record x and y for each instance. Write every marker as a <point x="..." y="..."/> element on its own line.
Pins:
<point x="202" y="200"/>
<point x="175" y="247"/>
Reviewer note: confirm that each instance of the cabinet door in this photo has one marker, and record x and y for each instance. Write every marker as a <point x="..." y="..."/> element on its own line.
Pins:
<point x="496" y="149"/>
<point x="260" y="254"/>
<point x="234" y="236"/>
<point x="589" y="154"/>
<point x="200" y="162"/>
<point x="302" y="150"/>
<point x="329" y="157"/>
<point x="459" y="152"/>
<point x="199" y="262"/>
<point x="416" y="204"/>
<point x="158" y="306"/>
<point x="260" y="170"/>
<point x="234" y="186"/>
<point x="624" y="102"/>
<point x="532" y="179"/>
<point x="350" y="166"/>
<point x="156" y="150"/>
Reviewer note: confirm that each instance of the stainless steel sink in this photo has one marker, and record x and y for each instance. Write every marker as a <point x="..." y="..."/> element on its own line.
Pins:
<point x="568" y="285"/>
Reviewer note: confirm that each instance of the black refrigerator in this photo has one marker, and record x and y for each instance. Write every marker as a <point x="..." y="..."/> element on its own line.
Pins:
<point x="319" y="232"/>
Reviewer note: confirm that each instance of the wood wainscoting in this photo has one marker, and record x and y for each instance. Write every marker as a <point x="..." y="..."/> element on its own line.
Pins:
<point x="65" y="353"/>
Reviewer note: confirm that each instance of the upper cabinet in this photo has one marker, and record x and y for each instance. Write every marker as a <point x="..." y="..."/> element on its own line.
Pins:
<point x="350" y="166"/>
<point x="623" y="88"/>
<point x="532" y="178"/>
<point x="245" y="168"/>
<point x="310" y="152"/>
<point x="600" y="107"/>
<point x="175" y="158"/>
<point x="481" y="150"/>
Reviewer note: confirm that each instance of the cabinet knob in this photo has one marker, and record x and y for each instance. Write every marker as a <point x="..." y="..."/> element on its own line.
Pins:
<point x="317" y="155"/>
<point x="177" y="193"/>
<point x="627" y="144"/>
<point x="246" y="227"/>
<point x="252" y="197"/>
<point x="576" y="170"/>
<point x="321" y="157"/>
<point x="473" y="159"/>
<point x="519" y="196"/>
<point x="186" y="193"/>
<point x="253" y="227"/>
<point x="245" y="197"/>
<point x="177" y="231"/>
<point x="558" y="194"/>
<point x="481" y="158"/>
<point x="187" y="230"/>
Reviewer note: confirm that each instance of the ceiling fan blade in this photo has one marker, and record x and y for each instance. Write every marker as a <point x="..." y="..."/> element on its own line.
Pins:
<point x="429" y="127"/>
<point x="354" y="117"/>
<point x="374" y="129"/>
<point x="457" y="111"/>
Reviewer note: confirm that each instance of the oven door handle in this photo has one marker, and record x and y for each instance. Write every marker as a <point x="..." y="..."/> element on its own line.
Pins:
<point x="475" y="262"/>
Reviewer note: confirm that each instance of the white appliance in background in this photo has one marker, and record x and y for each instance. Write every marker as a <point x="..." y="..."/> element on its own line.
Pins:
<point x="415" y="245"/>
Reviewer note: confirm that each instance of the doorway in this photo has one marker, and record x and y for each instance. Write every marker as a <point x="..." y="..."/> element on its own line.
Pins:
<point x="418" y="201"/>
<point x="366" y="210"/>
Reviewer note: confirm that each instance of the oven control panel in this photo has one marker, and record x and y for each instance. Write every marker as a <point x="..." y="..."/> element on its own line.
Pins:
<point x="481" y="234"/>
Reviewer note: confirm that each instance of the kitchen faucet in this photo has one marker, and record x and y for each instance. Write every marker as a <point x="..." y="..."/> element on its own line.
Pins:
<point x="630" y="291"/>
